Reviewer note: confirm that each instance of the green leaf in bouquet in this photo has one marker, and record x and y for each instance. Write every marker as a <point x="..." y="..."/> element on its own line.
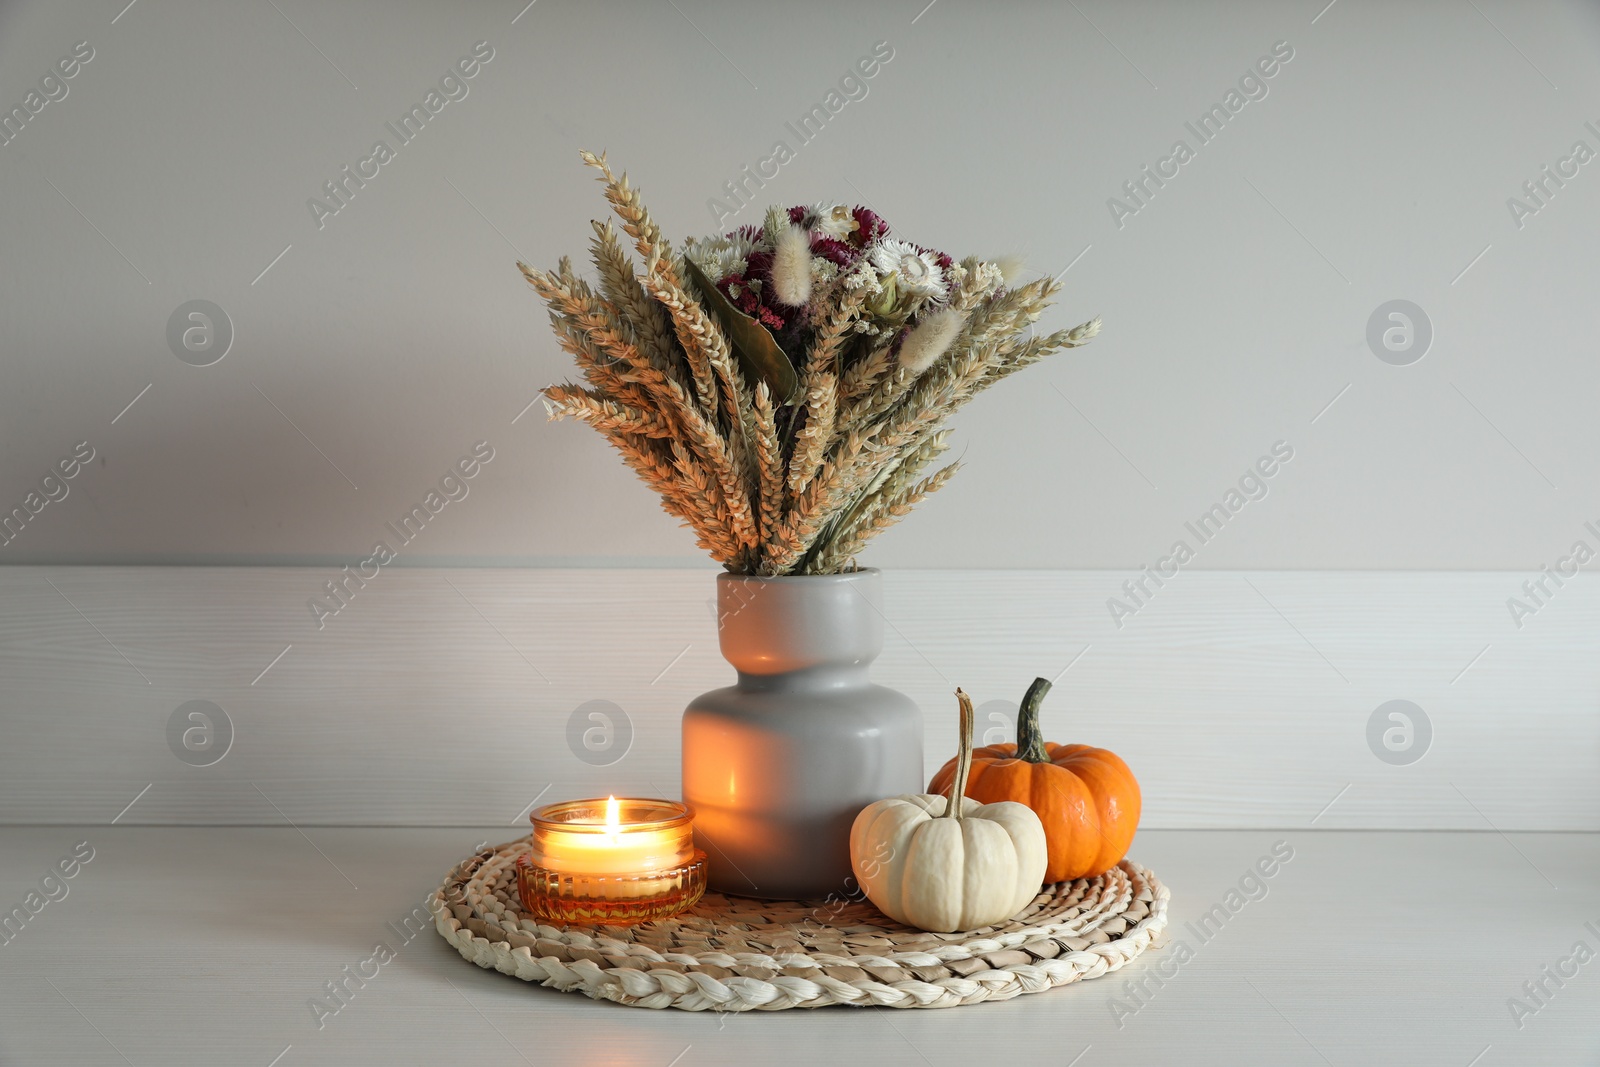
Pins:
<point x="752" y="342"/>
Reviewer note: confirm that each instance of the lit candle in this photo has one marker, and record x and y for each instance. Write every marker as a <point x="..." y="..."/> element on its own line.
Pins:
<point x="611" y="861"/>
<point x="583" y="845"/>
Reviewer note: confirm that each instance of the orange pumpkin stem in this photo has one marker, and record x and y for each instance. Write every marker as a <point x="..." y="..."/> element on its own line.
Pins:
<point x="958" y="784"/>
<point x="1030" y="739"/>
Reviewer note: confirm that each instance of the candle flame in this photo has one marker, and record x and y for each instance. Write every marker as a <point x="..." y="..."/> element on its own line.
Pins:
<point x="613" y="818"/>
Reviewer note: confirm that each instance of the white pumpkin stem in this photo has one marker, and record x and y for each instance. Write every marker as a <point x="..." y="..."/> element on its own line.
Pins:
<point x="958" y="784"/>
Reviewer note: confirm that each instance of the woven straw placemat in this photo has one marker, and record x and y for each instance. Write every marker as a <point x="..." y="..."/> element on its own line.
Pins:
<point x="735" y="954"/>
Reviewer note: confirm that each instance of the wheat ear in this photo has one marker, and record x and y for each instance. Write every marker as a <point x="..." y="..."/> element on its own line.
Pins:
<point x="883" y="512"/>
<point x="814" y="438"/>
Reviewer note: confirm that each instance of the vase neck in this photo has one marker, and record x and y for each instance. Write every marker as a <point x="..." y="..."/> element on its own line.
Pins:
<point x="813" y="679"/>
<point x="818" y="631"/>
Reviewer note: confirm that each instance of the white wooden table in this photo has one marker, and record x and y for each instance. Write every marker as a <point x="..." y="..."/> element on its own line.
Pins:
<point x="205" y="946"/>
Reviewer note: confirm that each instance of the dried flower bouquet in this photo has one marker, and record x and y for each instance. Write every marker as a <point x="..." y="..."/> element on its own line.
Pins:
<point x="783" y="387"/>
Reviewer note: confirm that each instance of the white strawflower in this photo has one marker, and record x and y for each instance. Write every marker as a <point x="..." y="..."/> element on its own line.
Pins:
<point x="930" y="339"/>
<point x="834" y="220"/>
<point x="917" y="273"/>
<point x="791" y="267"/>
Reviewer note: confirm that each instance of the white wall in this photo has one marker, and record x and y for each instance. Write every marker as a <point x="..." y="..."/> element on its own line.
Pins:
<point x="459" y="696"/>
<point x="1235" y="303"/>
<point x="372" y="352"/>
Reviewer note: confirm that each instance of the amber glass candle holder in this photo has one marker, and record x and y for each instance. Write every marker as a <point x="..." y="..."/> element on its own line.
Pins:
<point x="617" y="860"/>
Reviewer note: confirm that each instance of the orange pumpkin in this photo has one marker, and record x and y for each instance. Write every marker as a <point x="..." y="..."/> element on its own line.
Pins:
<point x="1086" y="797"/>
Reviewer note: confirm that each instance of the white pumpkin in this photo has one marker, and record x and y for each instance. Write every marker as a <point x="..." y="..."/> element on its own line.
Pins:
<point x="938" y="865"/>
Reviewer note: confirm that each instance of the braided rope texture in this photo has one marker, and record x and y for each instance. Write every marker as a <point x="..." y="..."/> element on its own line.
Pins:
<point x="734" y="954"/>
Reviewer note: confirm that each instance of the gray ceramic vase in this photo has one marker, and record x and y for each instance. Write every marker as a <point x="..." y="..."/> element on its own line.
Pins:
<point x="777" y="766"/>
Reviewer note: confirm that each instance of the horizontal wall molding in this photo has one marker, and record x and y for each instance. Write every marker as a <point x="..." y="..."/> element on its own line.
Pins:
<point x="448" y="696"/>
